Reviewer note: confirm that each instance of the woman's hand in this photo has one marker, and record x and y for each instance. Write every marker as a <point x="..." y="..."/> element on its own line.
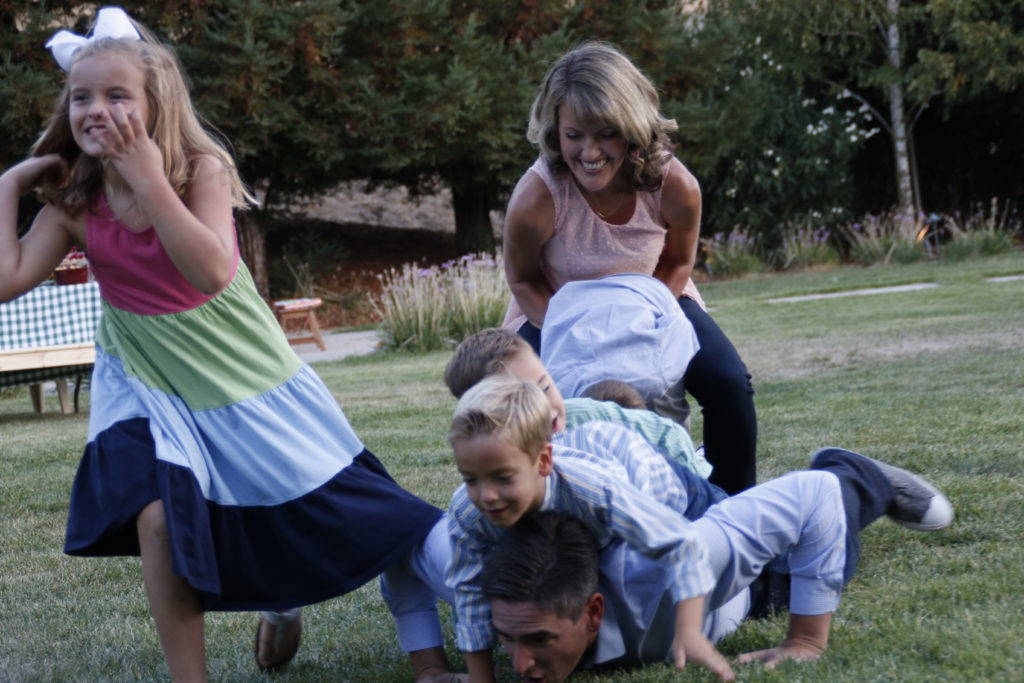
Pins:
<point x="31" y="172"/>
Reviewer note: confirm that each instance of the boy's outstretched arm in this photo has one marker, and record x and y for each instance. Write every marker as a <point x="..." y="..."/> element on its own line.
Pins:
<point x="806" y="640"/>
<point x="690" y="643"/>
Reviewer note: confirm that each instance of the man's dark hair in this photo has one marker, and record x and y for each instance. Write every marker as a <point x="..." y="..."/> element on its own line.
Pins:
<point x="548" y="559"/>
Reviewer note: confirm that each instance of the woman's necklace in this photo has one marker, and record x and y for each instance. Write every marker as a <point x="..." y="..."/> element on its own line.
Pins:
<point x="603" y="215"/>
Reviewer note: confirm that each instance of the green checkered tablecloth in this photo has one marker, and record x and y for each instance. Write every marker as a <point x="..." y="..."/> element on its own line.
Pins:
<point x="49" y="315"/>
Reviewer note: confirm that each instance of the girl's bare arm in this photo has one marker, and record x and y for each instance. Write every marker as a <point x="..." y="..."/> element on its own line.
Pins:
<point x="26" y="262"/>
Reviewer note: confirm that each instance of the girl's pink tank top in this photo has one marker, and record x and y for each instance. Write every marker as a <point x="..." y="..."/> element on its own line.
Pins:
<point x="586" y="247"/>
<point x="134" y="272"/>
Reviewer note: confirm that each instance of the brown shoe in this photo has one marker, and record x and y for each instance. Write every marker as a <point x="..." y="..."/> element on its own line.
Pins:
<point x="279" y="637"/>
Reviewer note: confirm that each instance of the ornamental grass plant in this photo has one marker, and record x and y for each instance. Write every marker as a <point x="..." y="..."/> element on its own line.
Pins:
<point x="885" y="238"/>
<point x="804" y="246"/>
<point x="426" y="309"/>
<point x="735" y="253"/>
<point x="988" y="231"/>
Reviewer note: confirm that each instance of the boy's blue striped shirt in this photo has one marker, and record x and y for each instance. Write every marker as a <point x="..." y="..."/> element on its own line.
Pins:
<point x="616" y="489"/>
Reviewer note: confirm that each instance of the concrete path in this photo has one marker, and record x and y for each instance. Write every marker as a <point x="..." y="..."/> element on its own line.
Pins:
<point x="855" y="292"/>
<point x="339" y="345"/>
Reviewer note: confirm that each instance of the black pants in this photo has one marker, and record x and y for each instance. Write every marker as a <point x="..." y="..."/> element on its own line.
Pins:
<point x="867" y="495"/>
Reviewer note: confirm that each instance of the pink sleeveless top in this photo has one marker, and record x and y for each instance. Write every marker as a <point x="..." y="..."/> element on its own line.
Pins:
<point x="585" y="247"/>
<point x="134" y="272"/>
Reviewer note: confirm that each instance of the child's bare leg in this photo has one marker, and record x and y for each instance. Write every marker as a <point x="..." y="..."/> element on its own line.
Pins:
<point x="175" y="605"/>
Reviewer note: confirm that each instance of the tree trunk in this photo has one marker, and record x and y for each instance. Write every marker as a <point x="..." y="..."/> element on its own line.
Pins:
<point x="897" y="117"/>
<point x="252" y="243"/>
<point x="473" y="203"/>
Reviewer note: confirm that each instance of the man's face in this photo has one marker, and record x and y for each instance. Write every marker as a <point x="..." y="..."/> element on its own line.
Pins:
<point x="544" y="647"/>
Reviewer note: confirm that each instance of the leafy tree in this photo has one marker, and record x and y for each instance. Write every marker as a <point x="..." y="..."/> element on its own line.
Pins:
<point x="29" y="78"/>
<point x="443" y="87"/>
<point x="768" y="147"/>
<point x="897" y="58"/>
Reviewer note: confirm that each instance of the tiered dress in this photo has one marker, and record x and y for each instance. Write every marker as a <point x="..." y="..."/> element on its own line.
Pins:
<point x="271" y="499"/>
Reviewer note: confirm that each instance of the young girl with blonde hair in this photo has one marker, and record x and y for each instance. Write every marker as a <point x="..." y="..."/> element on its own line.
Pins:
<point x="213" y="451"/>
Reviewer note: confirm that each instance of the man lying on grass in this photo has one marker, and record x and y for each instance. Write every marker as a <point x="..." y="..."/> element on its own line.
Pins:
<point x="807" y="521"/>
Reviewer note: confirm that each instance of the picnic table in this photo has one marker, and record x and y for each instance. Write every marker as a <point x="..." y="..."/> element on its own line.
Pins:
<point x="49" y="333"/>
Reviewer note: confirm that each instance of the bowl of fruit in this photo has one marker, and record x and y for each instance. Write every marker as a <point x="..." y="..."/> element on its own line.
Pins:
<point x="73" y="270"/>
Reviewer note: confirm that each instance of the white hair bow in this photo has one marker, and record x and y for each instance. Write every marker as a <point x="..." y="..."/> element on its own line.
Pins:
<point x="111" y="22"/>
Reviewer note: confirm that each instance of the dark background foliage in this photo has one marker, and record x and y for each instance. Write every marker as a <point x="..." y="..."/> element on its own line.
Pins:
<point x="781" y="103"/>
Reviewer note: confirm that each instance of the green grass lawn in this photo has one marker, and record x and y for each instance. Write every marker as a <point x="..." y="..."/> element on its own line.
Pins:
<point x="932" y="380"/>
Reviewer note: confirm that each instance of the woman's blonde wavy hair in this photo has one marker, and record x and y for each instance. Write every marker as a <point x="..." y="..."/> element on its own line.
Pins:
<point x="174" y="125"/>
<point x="600" y="85"/>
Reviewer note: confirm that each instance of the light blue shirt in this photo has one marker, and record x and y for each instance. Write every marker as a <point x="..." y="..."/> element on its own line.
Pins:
<point x="626" y="327"/>
<point x="622" y="452"/>
<point x="639" y="614"/>
<point x="668" y="437"/>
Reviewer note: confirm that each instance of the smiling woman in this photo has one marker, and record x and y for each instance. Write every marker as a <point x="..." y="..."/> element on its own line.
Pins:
<point x="606" y="197"/>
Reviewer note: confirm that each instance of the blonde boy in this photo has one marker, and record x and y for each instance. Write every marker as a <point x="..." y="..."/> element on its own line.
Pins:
<point x="500" y="437"/>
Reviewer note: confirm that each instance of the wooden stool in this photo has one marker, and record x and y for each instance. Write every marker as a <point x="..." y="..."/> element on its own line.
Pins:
<point x="304" y="311"/>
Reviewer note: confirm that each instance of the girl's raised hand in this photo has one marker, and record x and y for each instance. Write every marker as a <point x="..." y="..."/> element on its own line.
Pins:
<point x="127" y="144"/>
<point x="30" y="173"/>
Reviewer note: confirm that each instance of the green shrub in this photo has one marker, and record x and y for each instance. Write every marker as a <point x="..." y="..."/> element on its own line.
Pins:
<point x="426" y="309"/>
<point x="736" y="253"/>
<point x="411" y="306"/>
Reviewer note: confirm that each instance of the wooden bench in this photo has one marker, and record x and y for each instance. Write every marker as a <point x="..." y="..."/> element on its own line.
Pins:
<point x="299" y="315"/>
